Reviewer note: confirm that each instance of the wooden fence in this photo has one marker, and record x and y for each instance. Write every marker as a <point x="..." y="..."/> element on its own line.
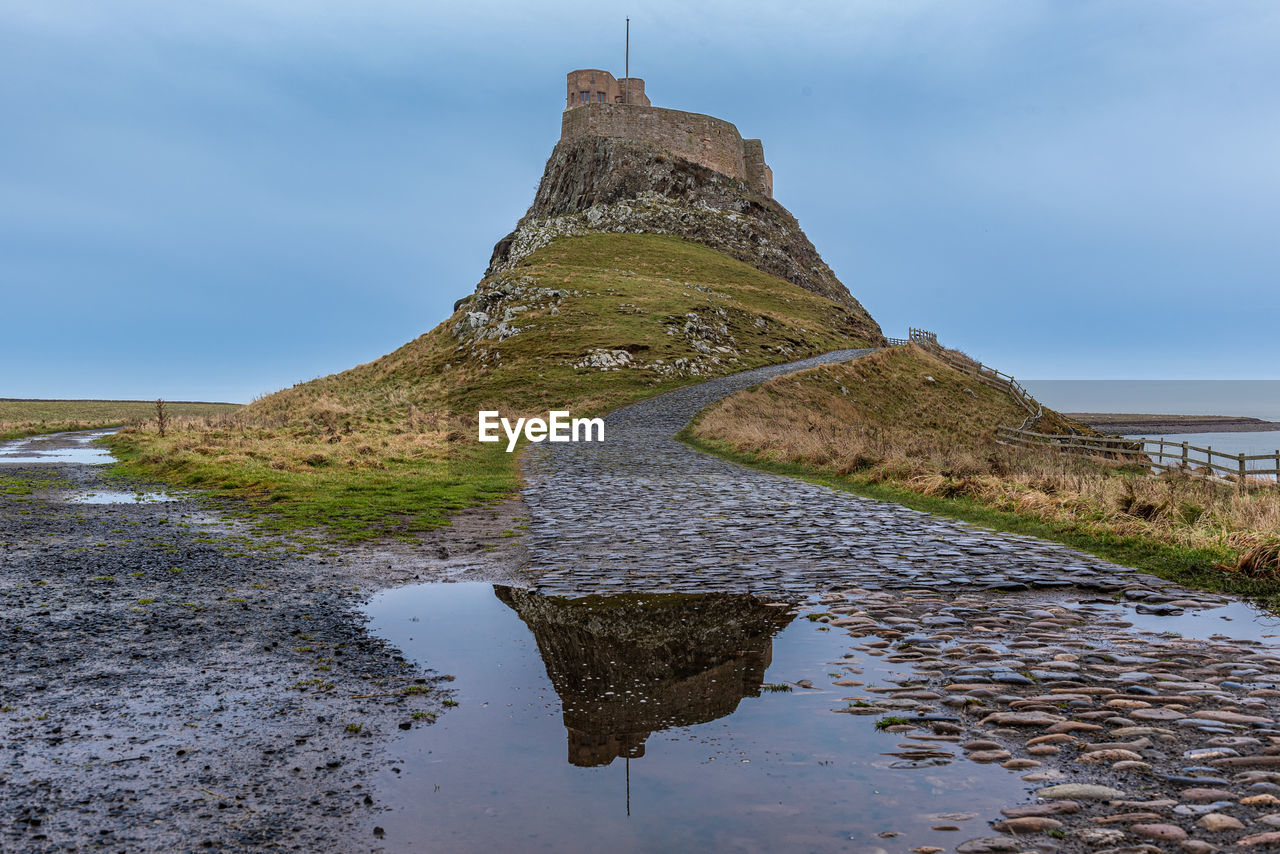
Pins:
<point x="971" y="367"/>
<point x="1159" y="454"/>
<point x="923" y="336"/>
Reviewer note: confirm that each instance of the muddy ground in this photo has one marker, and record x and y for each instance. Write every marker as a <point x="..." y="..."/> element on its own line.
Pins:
<point x="174" y="682"/>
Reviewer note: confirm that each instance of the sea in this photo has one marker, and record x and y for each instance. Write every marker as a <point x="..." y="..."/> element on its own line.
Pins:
<point x="1241" y="398"/>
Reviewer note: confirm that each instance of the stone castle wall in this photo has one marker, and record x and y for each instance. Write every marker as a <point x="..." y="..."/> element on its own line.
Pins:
<point x="705" y="140"/>
<point x="597" y="86"/>
<point x="759" y="175"/>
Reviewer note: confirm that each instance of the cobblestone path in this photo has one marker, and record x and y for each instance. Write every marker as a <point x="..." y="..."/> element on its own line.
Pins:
<point x="1144" y="720"/>
<point x="644" y="512"/>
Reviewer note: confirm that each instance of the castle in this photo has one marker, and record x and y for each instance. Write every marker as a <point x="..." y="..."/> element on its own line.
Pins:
<point x="600" y="105"/>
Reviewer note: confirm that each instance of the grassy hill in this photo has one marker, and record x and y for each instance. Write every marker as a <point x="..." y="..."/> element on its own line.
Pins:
<point x="585" y="323"/>
<point x="898" y="413"/>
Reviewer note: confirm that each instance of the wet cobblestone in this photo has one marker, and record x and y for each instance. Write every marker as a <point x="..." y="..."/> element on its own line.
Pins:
<point x="643" y="512"/>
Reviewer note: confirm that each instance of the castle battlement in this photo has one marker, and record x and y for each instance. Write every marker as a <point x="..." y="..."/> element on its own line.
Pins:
<point x="599" y="105"/>
<point x="593" y="86"/>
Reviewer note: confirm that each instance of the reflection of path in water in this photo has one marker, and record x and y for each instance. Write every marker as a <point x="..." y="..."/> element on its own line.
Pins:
<point x="724" y="768"/>
<point x="626" y="666"/>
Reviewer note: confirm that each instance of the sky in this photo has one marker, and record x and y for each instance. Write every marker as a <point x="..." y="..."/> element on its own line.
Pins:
<point x="214" y="201"/>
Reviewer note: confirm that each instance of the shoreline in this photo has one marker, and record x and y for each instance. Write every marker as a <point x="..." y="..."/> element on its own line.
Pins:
<point x="1133" y="424"/>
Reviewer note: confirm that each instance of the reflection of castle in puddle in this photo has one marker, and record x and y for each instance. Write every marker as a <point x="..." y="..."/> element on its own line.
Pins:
<point x="630" y="665"/>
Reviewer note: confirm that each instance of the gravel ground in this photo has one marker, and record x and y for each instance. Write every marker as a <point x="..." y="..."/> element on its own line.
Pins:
<point x="174" y="683"/>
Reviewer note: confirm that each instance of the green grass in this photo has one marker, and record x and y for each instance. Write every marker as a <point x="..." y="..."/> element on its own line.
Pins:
<point x="27" y="484"/>
<point x="399" y="500"/>
<point x="1191" y="567"/>
<point x="892" y="720"/>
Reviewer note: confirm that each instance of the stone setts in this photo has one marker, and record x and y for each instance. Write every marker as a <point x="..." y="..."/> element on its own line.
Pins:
<point x="1017" y="655"/>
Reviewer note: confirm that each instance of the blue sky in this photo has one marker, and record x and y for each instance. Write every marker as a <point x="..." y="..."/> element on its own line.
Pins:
<point x="214" y="201"/>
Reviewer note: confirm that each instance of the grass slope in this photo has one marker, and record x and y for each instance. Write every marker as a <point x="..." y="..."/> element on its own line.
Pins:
<point x="585" y="324"/>
<point x="901" y="426"/>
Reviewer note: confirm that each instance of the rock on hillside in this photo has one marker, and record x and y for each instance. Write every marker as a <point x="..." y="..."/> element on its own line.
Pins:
<point x="626" y="186"/>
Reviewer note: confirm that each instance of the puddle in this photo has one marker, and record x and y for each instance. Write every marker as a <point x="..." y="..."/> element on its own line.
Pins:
<point x="108" y="497"/>
<point x="647" y="722"/>
<point x="56" y="448"/>
<point x="1235" y="620"/>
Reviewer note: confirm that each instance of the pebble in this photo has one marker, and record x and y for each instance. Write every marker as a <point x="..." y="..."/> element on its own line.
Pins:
<point x="1160" y="714"/>
<point x="1052" y="808"/>
<point x="1027" y="824"/>
<point x="1217" y="822"/>
<point x="1202" y="795"/>
<point x="1196" y="846"/>
<point x="1269" y="838"/>
<point x="1097" y="756"/>
<point x="1128" y="818"/>
<point x="1099" y="835"/>
<point x="988" y="845"/>
<point x="1035" y="719"/>
<point x="1165" y="832"/>
<point x="1080" y="791"/>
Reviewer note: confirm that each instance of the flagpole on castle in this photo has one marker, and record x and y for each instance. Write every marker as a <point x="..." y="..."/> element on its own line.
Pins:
<point x="626" y="80"/>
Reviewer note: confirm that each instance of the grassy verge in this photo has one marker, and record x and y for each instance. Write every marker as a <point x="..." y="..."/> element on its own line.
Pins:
<point x="401" y="496"/>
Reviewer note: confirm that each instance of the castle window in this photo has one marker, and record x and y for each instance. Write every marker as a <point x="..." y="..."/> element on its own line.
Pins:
<point x="600" y="97"/>
<point x="586" y="97"/>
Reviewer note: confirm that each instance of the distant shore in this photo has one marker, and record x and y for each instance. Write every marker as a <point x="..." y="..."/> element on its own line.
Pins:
<point x="1116" y="422"/>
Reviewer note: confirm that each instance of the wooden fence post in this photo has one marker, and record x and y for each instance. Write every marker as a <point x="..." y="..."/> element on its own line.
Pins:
<point x="1185" y="453"/>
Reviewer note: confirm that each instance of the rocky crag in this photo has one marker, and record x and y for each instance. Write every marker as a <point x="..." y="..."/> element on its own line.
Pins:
<point x="613" y="185"/>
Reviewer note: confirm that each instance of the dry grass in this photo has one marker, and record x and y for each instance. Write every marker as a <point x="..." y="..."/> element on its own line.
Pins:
<point x="323" y="435"/>
<point x="326" y="466"/>
<point x="34" y="417"/>
<point x="881" y="421"/>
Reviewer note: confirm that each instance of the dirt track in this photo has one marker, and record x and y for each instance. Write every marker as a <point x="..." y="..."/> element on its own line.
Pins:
<point x="174" y="683"/>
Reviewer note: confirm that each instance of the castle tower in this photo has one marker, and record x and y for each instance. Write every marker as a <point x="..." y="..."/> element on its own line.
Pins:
<point x="593" y="86"/>
<point x="599" y="105"/>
